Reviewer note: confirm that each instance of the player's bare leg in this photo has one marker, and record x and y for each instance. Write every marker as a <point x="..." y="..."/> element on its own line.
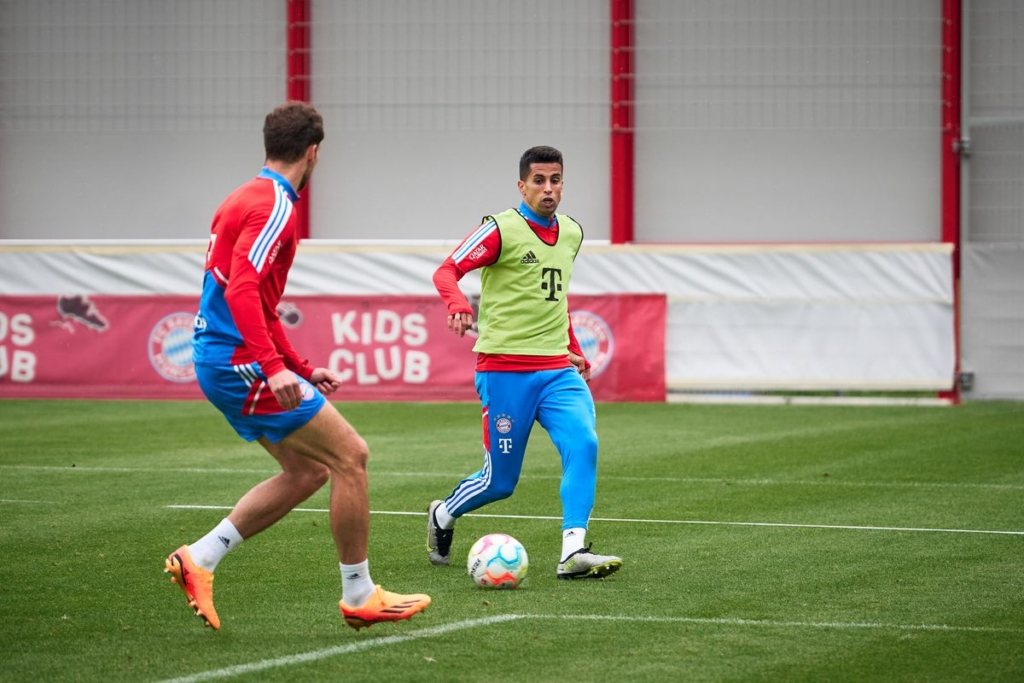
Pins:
<point x="270" y="500"/>
<point x="262" y="506"/>
<point x="329" y="439"/>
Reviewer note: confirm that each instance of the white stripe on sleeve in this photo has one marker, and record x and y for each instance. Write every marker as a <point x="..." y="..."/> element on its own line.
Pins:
<point x="474" y="240"/>
<point x="271" y="230"/>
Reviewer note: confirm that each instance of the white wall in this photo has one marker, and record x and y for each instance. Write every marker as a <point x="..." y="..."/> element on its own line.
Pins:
<point x="766" y="121"/>
<point x="868" y="316"/>
<point x="123" y="119"/>
<point x="124" y="185"/>
<point x="788" y="121"/>
<point x="431" y="104"/>
<point x="992" y="304"/>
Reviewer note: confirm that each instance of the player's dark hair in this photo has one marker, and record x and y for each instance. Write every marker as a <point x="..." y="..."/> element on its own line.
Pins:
<point x="290" y="129"/>
<point x="538" y="155"/>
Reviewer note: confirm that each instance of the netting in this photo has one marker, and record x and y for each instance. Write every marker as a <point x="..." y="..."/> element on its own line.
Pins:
<point x="122" y="65"/>
<point x="462" y="64"/>
<point x="787" y="64"/>
<point x="485" y="64"/>
<point x="995" y="122"/>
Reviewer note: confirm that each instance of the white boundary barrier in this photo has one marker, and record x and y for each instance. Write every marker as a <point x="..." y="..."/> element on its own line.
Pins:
<point x="800" y="317"/>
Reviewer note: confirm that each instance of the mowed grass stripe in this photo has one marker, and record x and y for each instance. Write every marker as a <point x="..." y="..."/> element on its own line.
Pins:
<point x="850" y="527"/>
<point x="307" y="657"/>
<point x="824" y="481"/>
<point x="769" y="623"/>
<point x="85" y="598"/>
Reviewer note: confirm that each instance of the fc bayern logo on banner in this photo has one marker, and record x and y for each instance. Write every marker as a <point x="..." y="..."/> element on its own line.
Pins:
<point x="170" y="347"/>
<point x="595" y="338"/>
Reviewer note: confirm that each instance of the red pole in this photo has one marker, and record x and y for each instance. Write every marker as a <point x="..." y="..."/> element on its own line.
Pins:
<point x="950" y="161"/>
<point x="621" y="171"/>
<point x="298" y="73"/>
<point x="951" y="124"/>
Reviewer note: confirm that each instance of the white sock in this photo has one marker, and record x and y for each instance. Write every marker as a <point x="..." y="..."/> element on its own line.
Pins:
<point x="356" y="586"/>
<point x="572" y="540"/>
<point x="209" y="550"/>
<point x="443" y="518"/>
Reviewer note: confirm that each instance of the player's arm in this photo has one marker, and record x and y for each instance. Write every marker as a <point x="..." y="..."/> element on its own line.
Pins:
<point x="324" y="379"/>
<point x="243" y="298"/>
<point x="292" y="361"/>
<point x="480" y="249"/>
<point x="576" y="356"/>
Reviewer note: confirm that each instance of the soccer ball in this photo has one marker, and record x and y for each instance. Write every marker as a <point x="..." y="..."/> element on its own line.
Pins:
<point x="497" y="561"/>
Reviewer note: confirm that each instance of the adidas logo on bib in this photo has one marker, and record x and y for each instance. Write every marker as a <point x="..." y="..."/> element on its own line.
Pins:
<point x="529" y="258"/>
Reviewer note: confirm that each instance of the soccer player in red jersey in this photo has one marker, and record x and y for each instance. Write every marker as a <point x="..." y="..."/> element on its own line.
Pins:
<point x="248" y="369"/>
<point x="530" y="367"/>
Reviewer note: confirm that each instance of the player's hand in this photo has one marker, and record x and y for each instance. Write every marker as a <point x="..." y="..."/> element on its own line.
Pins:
<point x="325" y="381"/>
<point x="581" y="365"/>
<point x="286" y="389"/>
<point x="460" y="323"/>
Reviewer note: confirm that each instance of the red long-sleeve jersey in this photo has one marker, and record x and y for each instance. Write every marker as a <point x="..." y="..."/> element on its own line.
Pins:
<point x="252" y="244"/>
<point x="479" y="250"/>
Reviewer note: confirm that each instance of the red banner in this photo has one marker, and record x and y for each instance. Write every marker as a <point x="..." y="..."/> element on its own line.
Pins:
<point x="394" y="348"/>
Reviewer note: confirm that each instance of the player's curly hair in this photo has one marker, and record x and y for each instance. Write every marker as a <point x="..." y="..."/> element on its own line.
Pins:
<point x="538" y="155"/>
<point x="290" y="129"/>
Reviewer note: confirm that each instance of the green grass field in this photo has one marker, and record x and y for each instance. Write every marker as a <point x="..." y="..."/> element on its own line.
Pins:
<point x="761" y="543"/>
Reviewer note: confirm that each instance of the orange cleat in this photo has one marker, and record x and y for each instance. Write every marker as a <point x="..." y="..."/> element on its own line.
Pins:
<point x="383" y="606"/>
<point x="196" y="582"/>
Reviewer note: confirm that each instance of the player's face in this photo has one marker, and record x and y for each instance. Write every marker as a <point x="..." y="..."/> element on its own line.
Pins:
<point x="311" y="159"/>
<point x="542" y="189"/>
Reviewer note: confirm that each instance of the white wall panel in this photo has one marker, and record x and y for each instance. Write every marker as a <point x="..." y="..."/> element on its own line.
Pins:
<point x="787" y="120"/>
<point x="429" y="105"/>
<point x="992" y="304"/>
<point x="767" y="120"/>
<point x="122" y="119"/>
<point x="831" y="317"/>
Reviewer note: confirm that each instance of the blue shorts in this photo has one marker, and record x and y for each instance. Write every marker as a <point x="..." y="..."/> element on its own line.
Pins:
<point x="242" y="394"/>
<point x="561" y="402"/>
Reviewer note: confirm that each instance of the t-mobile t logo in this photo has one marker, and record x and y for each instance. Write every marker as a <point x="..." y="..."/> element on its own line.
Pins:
<point x="552" y="282"/>
<point x="505" y="445"/>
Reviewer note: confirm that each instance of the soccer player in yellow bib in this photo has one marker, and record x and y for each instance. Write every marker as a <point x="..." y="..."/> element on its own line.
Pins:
<point x="530" y="367"/>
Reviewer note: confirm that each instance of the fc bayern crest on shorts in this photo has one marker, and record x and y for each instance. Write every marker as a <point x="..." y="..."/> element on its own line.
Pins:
<point x="503" y="424"/>
<point x="307" y="391"/>
<point x="170" y="347"/>
<point x="595" y="338"/>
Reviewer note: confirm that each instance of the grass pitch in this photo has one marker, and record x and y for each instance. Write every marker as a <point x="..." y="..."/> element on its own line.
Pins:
<point x="761" y="543"/>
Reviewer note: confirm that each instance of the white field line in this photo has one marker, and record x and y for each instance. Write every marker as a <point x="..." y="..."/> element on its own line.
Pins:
<point x="726" y="621"/>
<point x="14" y="501"/>
<point x="386" y="641"/>
<point x="289" y="660"/>
<point x="131" y="470"/>
<point x="655" y="521"/>
<point x="824" y="481"/>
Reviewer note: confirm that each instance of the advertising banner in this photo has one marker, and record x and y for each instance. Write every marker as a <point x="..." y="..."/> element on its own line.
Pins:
<point x="385" y="348"/>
